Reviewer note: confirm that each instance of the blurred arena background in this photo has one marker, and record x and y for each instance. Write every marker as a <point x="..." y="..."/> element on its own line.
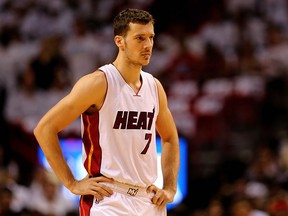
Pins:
<point x="223" y="63"/>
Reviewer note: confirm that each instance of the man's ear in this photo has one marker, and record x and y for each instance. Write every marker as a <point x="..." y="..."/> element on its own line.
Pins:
<point x="119" y="41"/>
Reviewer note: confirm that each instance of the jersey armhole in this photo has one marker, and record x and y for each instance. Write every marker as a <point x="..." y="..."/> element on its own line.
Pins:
<point x="157" y="95"/>
<point x="104" y="100"/>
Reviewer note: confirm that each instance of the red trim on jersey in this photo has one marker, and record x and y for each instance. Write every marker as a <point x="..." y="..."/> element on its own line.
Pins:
<point x="93" y="152"/>
<point x="91" y="144"/>
<point x="86" y="202"/>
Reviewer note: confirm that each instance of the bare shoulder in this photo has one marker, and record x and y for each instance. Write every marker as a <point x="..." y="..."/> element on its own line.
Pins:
<point x="96" y="79"/>
<point x="90" y="89"/>
<point x="159" y="86"/>
<point x="161" y="94"/>
<point x="157" y="81"/>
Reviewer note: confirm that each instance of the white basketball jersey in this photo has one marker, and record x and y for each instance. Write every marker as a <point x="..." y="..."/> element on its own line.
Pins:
<point x="120" y="140"/>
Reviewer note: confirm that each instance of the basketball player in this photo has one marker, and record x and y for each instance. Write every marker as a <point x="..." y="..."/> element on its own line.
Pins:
<point x="121" y="108"/>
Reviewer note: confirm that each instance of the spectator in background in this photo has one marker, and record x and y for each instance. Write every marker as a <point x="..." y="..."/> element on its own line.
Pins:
<point x="275" y="12"/>
<point x="221" y="33"/>
<point x="215" y="208"/>
<point x="6" y="197"/>
<point x="50" y="200"/>
<point x="277" y="204"/>
<point x="264" y="166"/>
<point x="49" y="68"/>
<point x="4" y="145"/>
<point x="25" y="103"/>
<point x="81" y="49"/>
<point x="8" y="68"/>
<point x="243" y="207"/>
<point x="214" y="64"/>
<point x="247" y="62"/>
<point x="37" y="182"/>
<point x="184" y="65"/>
<point x="273" y="59"/>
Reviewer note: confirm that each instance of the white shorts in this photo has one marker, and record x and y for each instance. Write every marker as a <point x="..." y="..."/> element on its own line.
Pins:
<point x="126" y="201"/>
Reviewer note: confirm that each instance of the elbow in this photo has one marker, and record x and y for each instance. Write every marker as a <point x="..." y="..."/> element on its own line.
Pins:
<point x="40" y="130"/>
<point x="43" y="130"/>
<point x="37" y="131"/>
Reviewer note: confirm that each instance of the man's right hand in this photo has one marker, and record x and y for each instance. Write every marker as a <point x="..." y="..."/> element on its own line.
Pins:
<point x="91" y="186"/>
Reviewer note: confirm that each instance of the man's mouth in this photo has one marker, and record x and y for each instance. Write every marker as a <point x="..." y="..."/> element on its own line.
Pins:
<point x="146" y="54"/>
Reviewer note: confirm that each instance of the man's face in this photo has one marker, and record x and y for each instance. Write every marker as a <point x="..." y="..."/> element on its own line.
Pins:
<point x="138" y="43"/>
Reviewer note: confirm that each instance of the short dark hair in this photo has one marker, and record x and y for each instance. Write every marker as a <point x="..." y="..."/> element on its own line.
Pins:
<point x="124" y="18"/>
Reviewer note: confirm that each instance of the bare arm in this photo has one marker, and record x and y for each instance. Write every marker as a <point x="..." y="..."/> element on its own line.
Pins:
<point x="170" y="157"/>
<point x="59" y="117"/>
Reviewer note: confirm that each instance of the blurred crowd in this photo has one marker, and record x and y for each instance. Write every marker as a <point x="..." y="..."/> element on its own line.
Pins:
<point x="223" y="64"/>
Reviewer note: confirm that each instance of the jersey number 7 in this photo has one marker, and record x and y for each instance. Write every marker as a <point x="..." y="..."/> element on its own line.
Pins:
<point x="148" y="137"/>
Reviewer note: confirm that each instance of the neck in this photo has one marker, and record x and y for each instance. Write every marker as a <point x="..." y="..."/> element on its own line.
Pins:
<point x="129" y="71"/>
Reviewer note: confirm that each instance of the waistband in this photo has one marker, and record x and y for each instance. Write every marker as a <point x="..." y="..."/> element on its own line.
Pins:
<point x="127" y="189"/>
